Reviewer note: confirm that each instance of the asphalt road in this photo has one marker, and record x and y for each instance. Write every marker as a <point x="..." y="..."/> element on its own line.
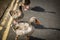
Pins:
<point x="48" y="12"/>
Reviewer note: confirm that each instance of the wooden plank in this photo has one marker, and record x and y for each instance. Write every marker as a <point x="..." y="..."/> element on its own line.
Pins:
<point x="5" y="34"/>
<point x="4" y="19"/>
<point x="3" y="6"/>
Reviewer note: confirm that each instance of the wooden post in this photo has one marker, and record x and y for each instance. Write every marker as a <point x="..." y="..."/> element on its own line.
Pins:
<point x="1" y="27"/>
<point x="5" y="22"/>
<point x="4" y="19"/>
<point x="5" y="34"/>
<point x="23" y="1"/>
<point x="10" y="19"/>
<point x="16" y="5"/>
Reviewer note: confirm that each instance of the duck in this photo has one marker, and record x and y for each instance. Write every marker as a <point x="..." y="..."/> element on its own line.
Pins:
<point x="17" y="15"/>
<point x="25" y="28"/>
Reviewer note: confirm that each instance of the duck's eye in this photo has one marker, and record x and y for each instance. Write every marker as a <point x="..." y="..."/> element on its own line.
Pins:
<point x="35" y="20"/>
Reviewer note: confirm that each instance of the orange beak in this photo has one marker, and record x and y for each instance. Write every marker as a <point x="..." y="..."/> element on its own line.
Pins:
<point x="37" y="22"/>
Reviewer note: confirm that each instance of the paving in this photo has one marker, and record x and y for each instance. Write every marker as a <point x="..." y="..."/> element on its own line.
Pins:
<point x="48" y="12"/>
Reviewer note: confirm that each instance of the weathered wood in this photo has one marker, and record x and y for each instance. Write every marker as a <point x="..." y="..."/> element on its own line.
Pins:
<point x="3" y="6"/>
<point x="7" y="18"/>
<point x="1" y="27"/>
<point x="4" y="19"/>
<point x="5" y="22"/>
<point x="5" y="34"/>
<point x="16" y="5"/>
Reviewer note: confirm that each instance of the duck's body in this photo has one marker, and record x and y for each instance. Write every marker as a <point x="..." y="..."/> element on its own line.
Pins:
<point x="25" y="28"/>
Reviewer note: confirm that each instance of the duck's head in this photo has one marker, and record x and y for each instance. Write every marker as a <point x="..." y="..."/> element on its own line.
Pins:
<point x="34" y="20"/>
<point x="15" y="13"/>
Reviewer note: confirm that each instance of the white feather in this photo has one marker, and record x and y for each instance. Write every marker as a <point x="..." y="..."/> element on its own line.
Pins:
<point x="32" y="19"/>
<point x="25" y="29"/>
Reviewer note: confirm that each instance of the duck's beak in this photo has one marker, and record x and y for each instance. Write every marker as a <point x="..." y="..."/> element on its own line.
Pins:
<point x="37" y="22"/>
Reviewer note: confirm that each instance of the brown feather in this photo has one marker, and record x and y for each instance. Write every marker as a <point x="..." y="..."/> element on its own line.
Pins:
<point x="37" y="22"/>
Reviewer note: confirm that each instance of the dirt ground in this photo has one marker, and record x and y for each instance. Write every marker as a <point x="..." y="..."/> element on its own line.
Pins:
<point x="47" y="11"/>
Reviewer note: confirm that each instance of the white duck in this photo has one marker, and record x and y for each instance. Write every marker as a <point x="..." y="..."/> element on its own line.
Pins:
<point x="25" y="28"/>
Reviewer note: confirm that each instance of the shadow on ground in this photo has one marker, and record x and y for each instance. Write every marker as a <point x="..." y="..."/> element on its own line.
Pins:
<point x="40" y="9"/>
<point x="42" y="27"/>
<point x="34" y="38"/>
